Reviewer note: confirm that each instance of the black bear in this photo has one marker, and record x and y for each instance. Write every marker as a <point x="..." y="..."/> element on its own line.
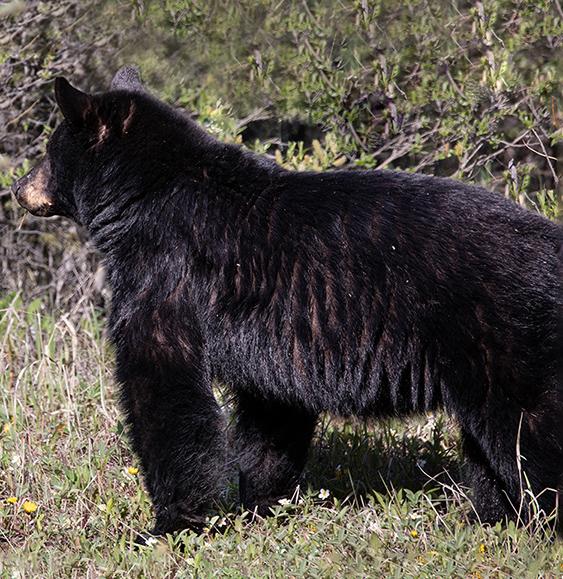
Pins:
<point x="365" y="293"/>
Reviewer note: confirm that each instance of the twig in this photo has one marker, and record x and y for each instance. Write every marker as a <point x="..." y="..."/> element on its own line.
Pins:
<point x="255" y="116"/>
<point x="357" y="138"/>
<point x="485" y="159"/>
<point x="536" y="116"/>
<point x="309" y="13"/>
<point x="30" y="43"/>
<point x="547" y="157"/>
<point x="22" y="114"/>
<point x="454" y="84"/>
<point x="320" y="61"/>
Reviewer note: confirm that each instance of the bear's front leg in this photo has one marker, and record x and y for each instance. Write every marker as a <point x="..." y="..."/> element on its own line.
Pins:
<point x="272" y="440"/>
<point x="175" y="427"/>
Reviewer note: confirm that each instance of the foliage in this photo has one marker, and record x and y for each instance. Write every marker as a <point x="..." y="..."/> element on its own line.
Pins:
<point x="39" y="41"/>
<point x="464" y="89"/>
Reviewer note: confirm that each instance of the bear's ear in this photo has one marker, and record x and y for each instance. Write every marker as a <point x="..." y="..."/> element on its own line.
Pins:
<point x="99" y="116"/>
<point x="127" y="78"/>
<point x="75" y="105"/>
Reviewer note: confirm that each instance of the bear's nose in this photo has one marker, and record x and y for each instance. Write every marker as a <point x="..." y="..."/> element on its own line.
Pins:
<point x="19" y="185"/>
<point x="16" y="187"/>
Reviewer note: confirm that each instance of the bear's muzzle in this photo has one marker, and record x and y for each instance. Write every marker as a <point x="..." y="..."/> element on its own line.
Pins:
<point x="32" y="190"/>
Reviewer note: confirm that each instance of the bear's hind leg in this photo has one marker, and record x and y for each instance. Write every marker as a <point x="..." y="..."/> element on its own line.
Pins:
<point x="273" y="440"/>
<point x="490" y="498"/>
<point x="521" y="484"/>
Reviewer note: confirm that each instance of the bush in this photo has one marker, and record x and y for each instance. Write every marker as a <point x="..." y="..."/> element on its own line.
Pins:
<point x="469" y="90"/>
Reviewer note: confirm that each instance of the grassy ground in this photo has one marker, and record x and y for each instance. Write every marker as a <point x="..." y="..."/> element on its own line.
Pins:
<point x="375" y="500"/>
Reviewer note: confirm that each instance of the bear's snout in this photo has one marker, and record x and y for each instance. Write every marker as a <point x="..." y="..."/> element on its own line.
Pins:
<point x="31" y="190"/>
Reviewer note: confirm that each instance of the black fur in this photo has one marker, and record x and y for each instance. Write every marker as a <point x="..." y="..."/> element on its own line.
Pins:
<point x="358" y="293"/>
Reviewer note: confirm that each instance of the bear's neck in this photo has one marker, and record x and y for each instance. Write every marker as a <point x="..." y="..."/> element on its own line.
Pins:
<point x="190" y="225"/>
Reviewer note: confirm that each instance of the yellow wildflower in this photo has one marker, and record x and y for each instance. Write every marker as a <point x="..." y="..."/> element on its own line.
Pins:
<point x="132" y="470"/>
<point x="12" y="500"/>
<point x="29" y="506"/>
<point x="414" y="533"/>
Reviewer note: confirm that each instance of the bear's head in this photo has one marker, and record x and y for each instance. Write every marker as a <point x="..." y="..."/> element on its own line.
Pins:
<point x="90" y="122"/>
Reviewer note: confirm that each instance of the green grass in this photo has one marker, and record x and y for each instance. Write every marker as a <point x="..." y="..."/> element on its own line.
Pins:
<point x="375" y="500"/>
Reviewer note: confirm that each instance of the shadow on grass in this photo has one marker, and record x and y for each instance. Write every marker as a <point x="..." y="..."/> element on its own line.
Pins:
<point x="354" y="459"/>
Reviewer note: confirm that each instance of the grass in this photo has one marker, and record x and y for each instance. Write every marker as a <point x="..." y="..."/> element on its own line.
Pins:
<point x="375" y="499"/>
